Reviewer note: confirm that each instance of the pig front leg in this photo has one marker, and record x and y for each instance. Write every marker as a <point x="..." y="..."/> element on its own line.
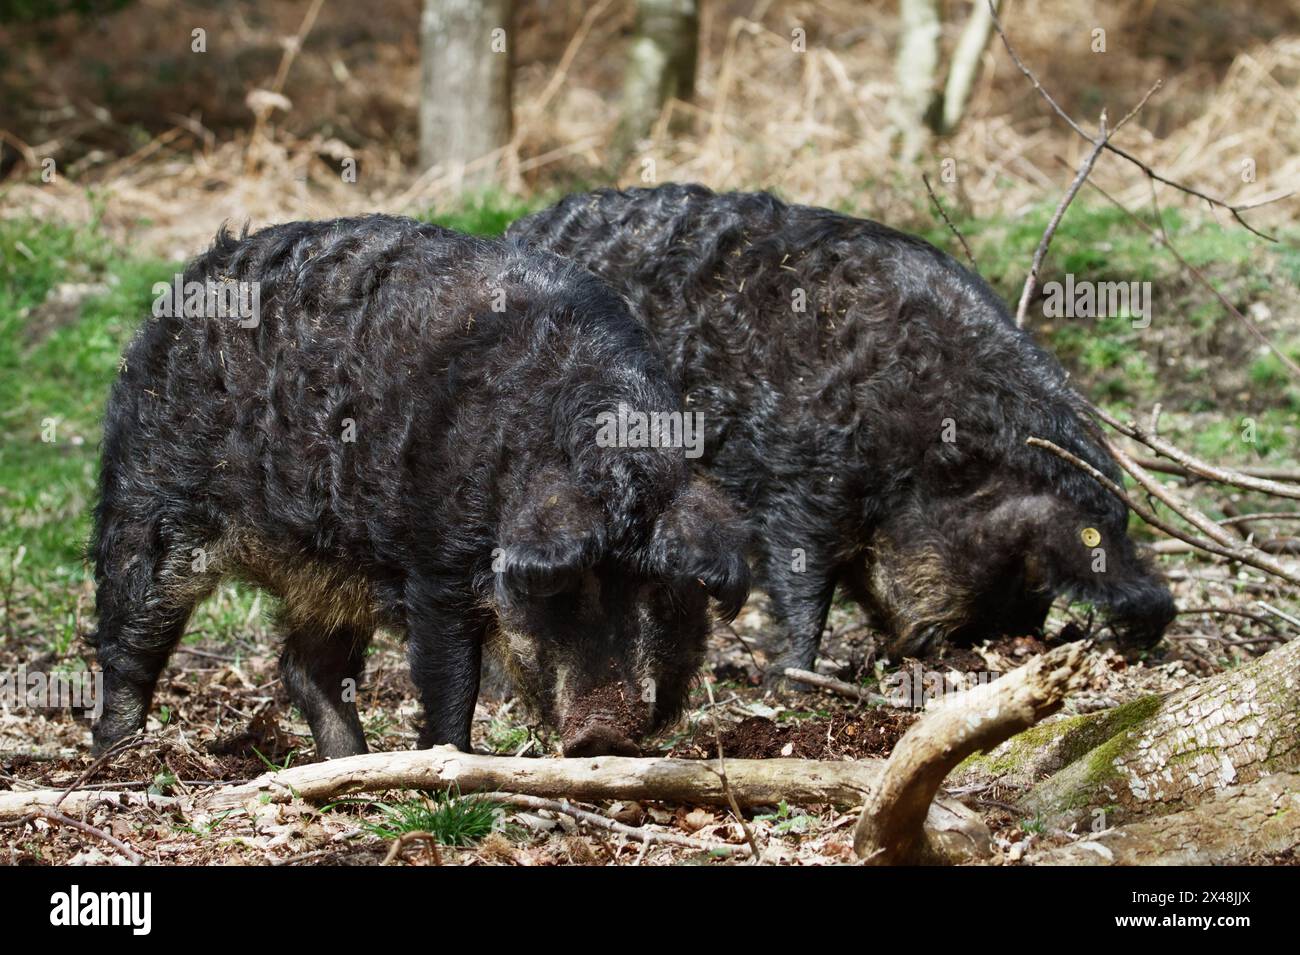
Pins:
<point x="445" y="650"/>
<point x="801" y="587"/>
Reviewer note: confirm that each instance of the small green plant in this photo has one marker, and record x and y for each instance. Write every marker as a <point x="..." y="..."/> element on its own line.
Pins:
<point x="452" y="819"/>
<point x="276" y="767"/>
<point x="785" y="821"/>
<point x="507" y="738"/>
<point x="209" y="827"/>
<point x="163" y="783"/>
<point x="1037" y="825"/>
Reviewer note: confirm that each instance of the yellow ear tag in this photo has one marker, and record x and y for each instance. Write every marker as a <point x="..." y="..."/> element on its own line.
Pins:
<point x="1091" y="537"/>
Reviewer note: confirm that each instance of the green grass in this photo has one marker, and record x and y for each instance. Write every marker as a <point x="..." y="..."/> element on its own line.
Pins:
<point x="453" y="820"/>
<point x="485" y="213"/>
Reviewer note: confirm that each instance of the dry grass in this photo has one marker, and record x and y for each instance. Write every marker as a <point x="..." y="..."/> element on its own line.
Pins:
<point x="811" y="125"/>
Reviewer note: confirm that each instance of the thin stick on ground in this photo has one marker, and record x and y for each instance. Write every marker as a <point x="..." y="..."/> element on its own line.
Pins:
<point x="647" y="836"/>
<point x="1295" y="622"/>
<point x="119" y="747"/>
<point x="405" y="839"/>
<point x="722" y="774"/>
<point x="970" y="256"/>
<point x="840" y="687"/>
<point x="1239" y="553"/>
<point x="1234" y="210"/>
<point x="59" y="819"/>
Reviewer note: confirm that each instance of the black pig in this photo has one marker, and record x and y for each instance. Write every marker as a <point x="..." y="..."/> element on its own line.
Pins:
<point x="867" y="401"/>
<point x="402" y="434"/>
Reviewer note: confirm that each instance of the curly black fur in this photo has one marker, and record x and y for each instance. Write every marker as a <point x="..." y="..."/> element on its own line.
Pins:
<point x="831" y="356"/>
<point x="406" y="438"/>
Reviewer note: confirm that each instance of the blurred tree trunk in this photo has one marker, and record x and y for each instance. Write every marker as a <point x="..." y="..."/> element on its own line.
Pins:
<point x="965" y="65"/>
<point x="915" y="70"/>
<point x="465" y="110"/>
<point x="661" y="66"/>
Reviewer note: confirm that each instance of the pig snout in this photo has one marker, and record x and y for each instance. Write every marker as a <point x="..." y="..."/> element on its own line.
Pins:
<point x="605" y="721"/>
<point x="1139" y="621"/>
<point x="599" y="739"/>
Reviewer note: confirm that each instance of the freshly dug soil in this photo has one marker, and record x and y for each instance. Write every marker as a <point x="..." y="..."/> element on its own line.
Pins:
<point x="870" y="732"/>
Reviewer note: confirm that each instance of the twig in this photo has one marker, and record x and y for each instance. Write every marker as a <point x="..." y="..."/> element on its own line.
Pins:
<point x="405" y="839"/>
<point x="1205" y="283"/>
<point x="889" y="831"/>
<point x="647" y="836"/>
<point x="1151" y="173"/>
<point x="59" y="819"/>
<point x="120" y="746"/>
<point x="1257" y="516"/>
<point x="839" y="687"/>
<point x="1257" y="617"/>
<point x="1238" y="553"/>
<point x="1099" y="143"/>
<point x="722" y="774"/>
<point x="1285" y="616"/>
<point x="970" y="257"/>
<point x="1196" y="465"/>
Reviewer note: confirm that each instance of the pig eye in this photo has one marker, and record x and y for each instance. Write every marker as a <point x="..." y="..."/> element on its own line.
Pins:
<point x="1091" y="537"/>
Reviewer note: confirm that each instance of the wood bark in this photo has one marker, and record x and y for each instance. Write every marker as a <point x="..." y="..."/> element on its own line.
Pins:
<point x="16" y="805"/>
<point x="889" y="831"/>
<point x="465" y="107"/>
<point x="1241" y="825"/>
<point x="1166" y="754"/>
<point x="954" y="833"/>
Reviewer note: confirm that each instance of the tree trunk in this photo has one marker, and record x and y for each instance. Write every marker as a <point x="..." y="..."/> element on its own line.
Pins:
<point x="1160" y="755"/>
<point x="915" y="69"/>
<point x="661" y="66"/>
<point x="966" y="65"/>
<point x="465" y="111"/>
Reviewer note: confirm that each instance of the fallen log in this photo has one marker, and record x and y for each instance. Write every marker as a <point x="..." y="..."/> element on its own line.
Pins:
<point x="955" y="833"/>
<point x="1240" y="825"/>
<point x="16" y="805"/>
<point x="754" y="782"/>
<point x="1163" y="754"/>
<point x="890" y="831"/>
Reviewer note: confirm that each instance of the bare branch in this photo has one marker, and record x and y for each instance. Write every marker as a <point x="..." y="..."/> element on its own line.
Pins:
<point x="1234" y="210"/>
<point x="970" y="257"/>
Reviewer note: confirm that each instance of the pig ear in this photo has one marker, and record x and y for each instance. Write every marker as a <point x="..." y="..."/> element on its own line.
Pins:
<point x="699" y="538"/>
<point x="553" y="536"/>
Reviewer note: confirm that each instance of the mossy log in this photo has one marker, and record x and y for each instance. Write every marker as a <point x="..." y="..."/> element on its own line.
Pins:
<point x="1163" y="754"/>
<point x="1242" y="825"/>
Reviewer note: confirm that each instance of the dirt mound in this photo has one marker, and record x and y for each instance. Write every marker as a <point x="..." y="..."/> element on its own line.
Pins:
<point x="844" y="736"/>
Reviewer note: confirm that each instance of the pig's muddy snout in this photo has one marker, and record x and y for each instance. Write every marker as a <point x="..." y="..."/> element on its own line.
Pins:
<point x="605" y="721"/>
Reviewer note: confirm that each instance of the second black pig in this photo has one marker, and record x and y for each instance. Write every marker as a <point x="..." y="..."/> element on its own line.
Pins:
<point x="867" y="401"/>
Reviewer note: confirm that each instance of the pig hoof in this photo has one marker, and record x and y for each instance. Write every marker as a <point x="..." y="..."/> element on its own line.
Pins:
<point x="600" y="740"/>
